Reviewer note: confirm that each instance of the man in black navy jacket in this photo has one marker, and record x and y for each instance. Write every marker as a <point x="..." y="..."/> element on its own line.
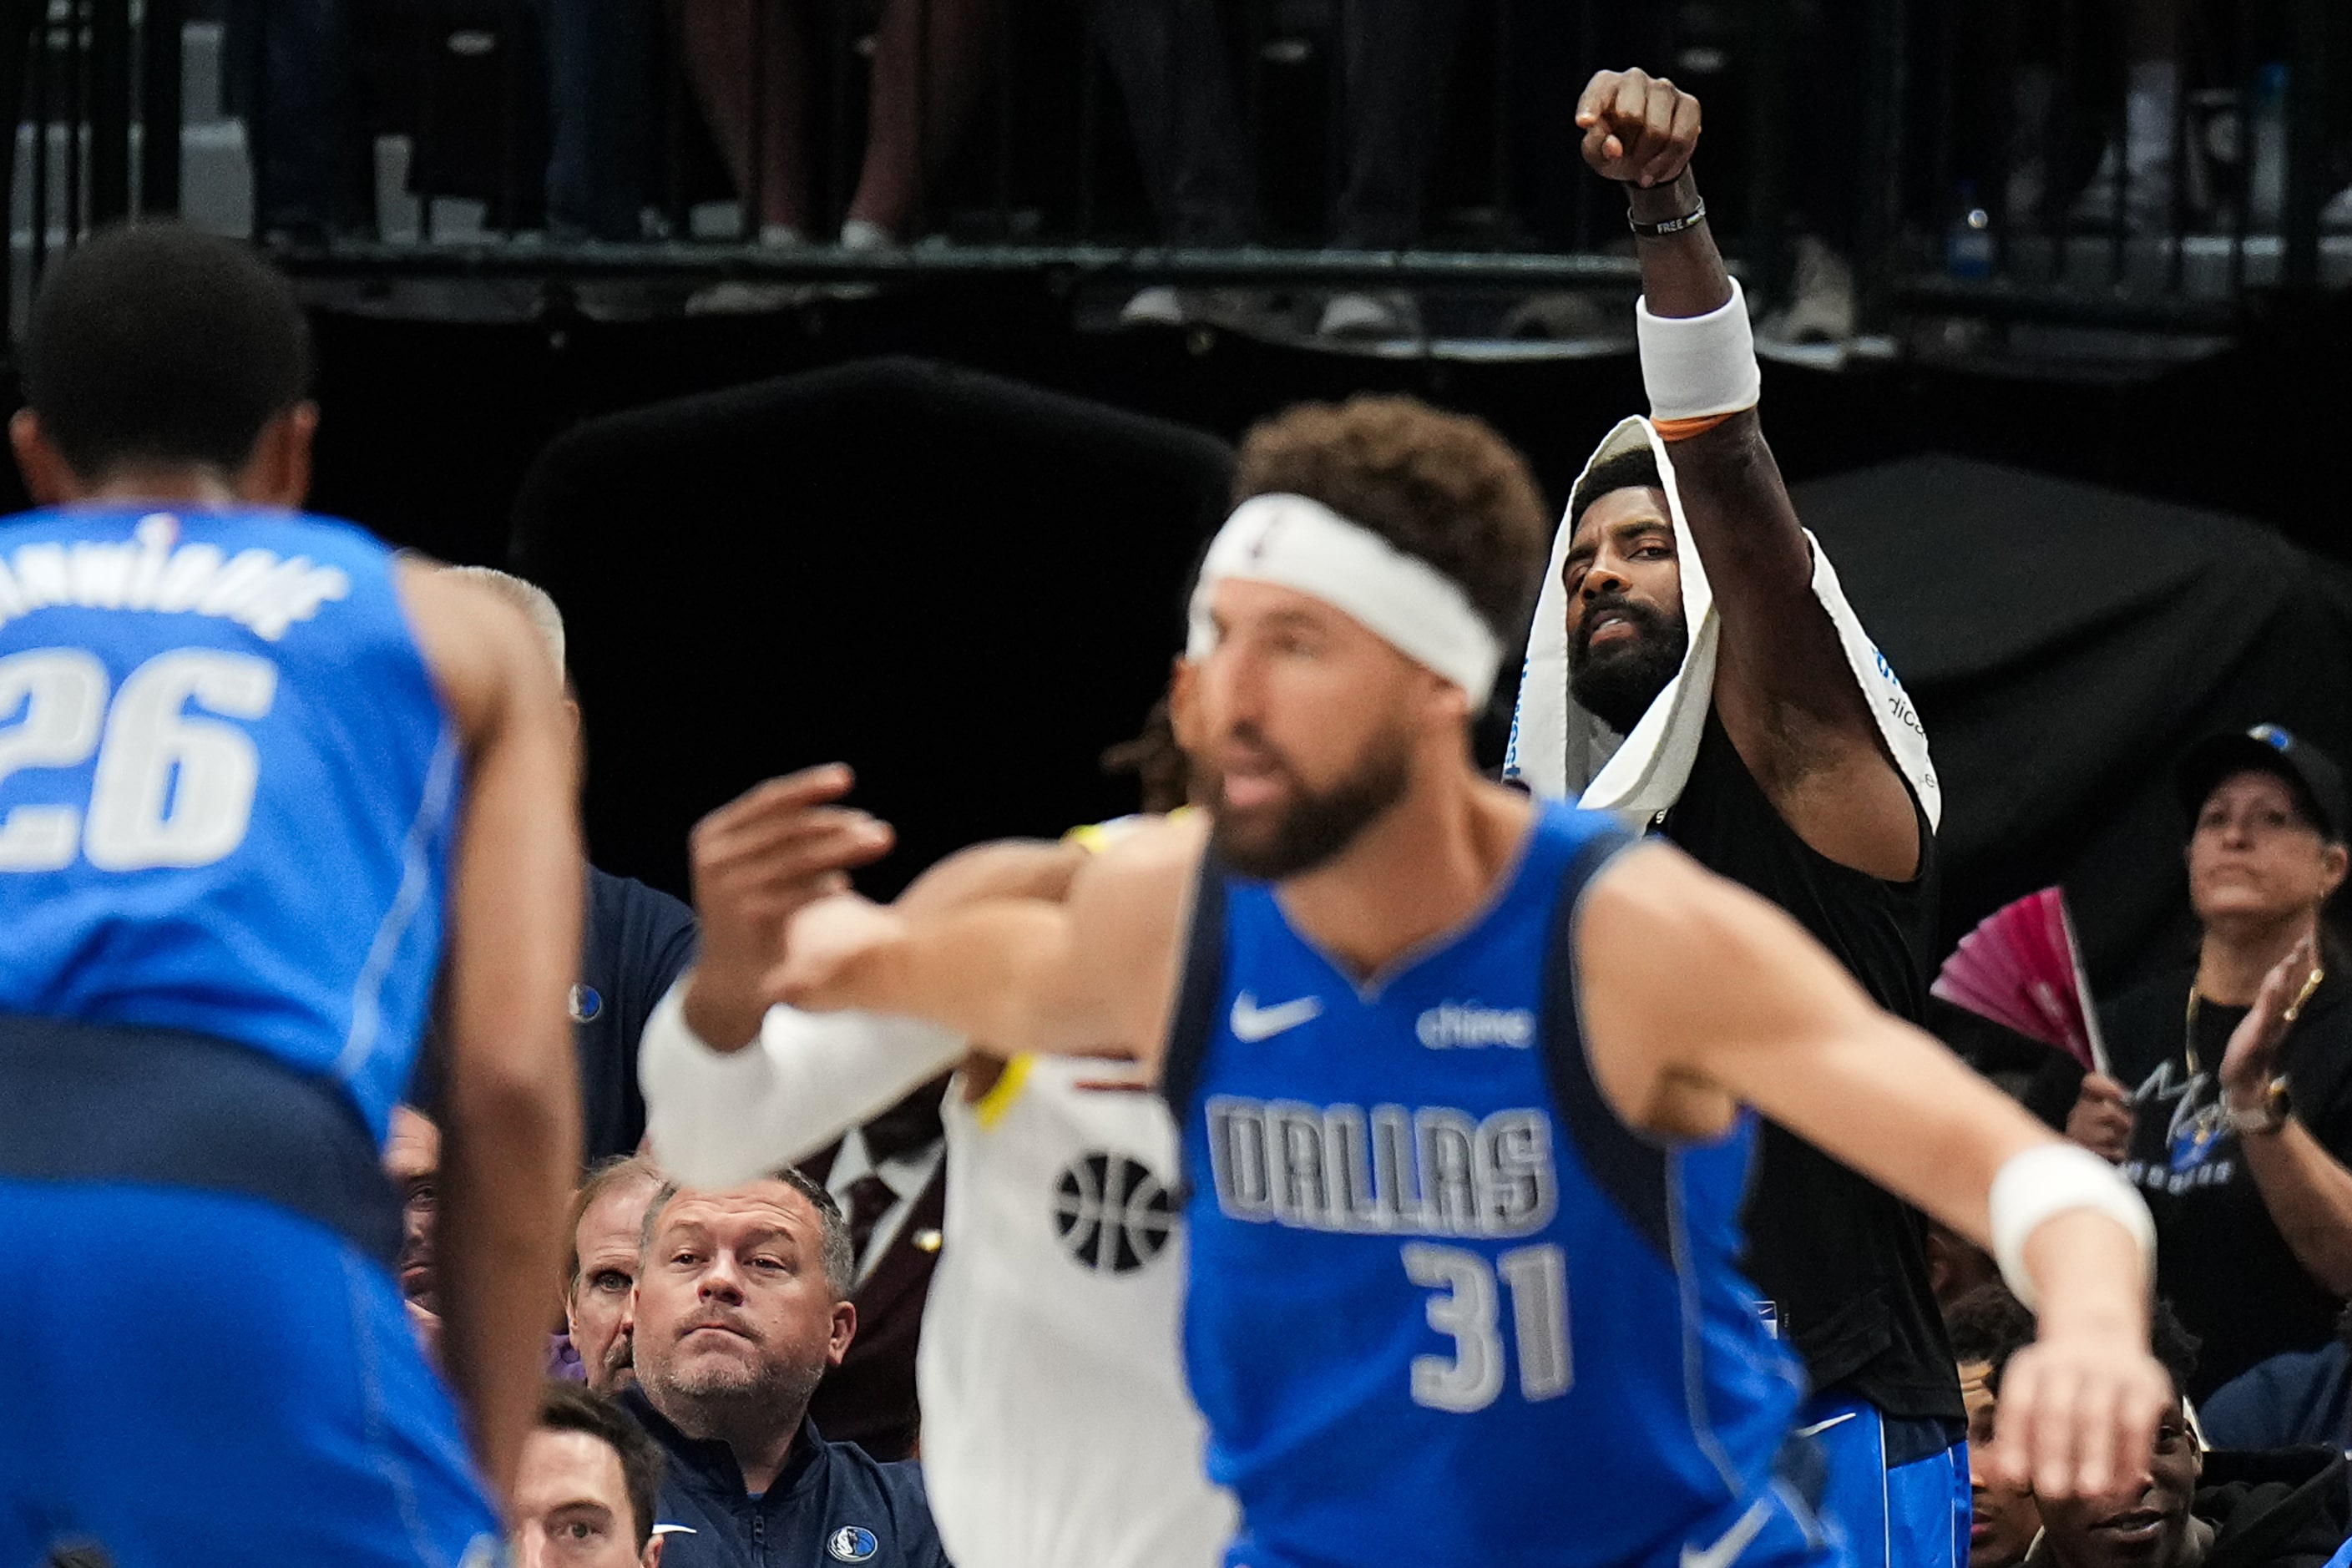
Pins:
<point x="634" y="943"/>
<point x="742" y="1304"/>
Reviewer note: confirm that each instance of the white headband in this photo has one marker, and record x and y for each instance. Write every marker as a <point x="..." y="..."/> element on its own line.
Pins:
<point x="1293" y="542"/>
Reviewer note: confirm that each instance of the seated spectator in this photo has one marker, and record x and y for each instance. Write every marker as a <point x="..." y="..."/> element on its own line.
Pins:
<point x="585" y="1491"/>
<point x="608" y="1218"/>
<point x="412" y="1158"/>
<point x="2303" y="1397"/>
<point x="742" y="1304"/>
<point x="1986" y="1324"/>
<point x="639" y="941"/>
<point x="2238" y="1131"/>
<point x="890" y="1178"/>
<point x="2187" y="1508"/>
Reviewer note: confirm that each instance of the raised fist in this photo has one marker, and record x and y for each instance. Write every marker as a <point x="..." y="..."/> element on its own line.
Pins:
<point x="1639" y="128"/>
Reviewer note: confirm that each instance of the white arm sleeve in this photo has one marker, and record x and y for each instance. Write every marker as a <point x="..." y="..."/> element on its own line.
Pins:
<point x="714" y="1118"/>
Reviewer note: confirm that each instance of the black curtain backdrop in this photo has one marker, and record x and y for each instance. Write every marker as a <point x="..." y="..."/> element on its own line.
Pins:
<point x="964" y="587"/>
<point x="2064" y="644"/>
<point x="967" y="587"/>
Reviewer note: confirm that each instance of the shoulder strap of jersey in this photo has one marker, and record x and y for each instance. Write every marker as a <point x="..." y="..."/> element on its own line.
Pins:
<point x="1199" y="983"/>
<point x="1630" y="1168"/>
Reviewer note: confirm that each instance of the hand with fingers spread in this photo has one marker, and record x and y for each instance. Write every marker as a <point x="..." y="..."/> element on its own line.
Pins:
<point x="757" y="861"/>
<point x="2252" y="1059"/>
<point x="1639" y="129"/>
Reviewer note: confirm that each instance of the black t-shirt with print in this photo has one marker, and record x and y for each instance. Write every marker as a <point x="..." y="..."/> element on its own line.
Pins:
<point x="2221" y="1260"/>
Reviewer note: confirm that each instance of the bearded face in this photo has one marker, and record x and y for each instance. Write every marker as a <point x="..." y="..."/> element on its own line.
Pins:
<point x="1295" y="827"/>
<point x="1627" y="634"/>
<point x="1622" y="655"/>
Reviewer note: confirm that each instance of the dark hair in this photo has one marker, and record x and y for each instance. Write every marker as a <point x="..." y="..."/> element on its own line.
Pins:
<point x="840" y="1262"/>
<point x="1990" y="1325"/>
<point x="1160" y="768"/>
<point x="155" y="344"/>
<point x="1442" y="487"/>
<point x="1628" y="470"/>
<point x="574" y="1407"/>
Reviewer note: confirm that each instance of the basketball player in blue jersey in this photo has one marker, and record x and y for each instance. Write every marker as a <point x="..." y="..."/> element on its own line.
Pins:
<point x="259" y="781"/>
<point x="1465" y="1081"/>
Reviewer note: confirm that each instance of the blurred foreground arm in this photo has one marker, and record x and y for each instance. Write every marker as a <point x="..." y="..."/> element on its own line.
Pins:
<point x="1701" y="998"/>
<point x="715" y="1118"/>
<point x="1090" y="975"/>
<point x="510" y="1113"/>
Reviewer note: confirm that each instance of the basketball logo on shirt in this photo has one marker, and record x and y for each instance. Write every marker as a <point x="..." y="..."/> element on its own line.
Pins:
<point x="851" y="1544"/>
<point x="1112" y="1213"/>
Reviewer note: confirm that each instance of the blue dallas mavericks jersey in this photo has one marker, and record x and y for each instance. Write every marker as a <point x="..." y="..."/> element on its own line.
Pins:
<point x="226" y="785"/>
<point x="1443" y="1306"/>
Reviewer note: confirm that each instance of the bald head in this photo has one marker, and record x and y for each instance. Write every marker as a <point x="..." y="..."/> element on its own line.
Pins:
<point x="530" y="598"/>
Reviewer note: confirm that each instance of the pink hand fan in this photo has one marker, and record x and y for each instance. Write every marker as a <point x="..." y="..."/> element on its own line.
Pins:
<point x="2022" y="968"/>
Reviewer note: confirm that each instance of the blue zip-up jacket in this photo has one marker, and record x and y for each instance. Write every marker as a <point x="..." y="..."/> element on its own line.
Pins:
<point x="834" y="1504"/>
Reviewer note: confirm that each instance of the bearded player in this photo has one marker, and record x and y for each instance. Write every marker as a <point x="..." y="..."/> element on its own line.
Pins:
<point x="1463" y="1080"/>
<point x="1693" y="667"/>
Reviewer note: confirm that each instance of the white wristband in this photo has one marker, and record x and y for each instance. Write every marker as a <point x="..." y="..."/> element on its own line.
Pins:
<point x="2051" y="1179"/>
<point x="1698" y="366"/>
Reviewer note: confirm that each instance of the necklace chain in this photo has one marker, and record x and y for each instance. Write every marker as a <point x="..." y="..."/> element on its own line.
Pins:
<point x="2293" y="1011"/>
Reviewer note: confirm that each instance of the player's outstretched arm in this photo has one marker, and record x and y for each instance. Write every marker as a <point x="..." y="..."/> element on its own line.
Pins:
<point x="1699" y="997"/>
<point x="510" y="1115"/>
<point x="1782" y="685"/>
<point x="1089" y="976"/>
<point x="716" y="1117"/>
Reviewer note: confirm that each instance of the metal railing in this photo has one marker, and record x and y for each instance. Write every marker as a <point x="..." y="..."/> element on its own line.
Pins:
<point x="90" y="76"/>
<point x="1999" y="158"/>
<point x="2139" y="162"/>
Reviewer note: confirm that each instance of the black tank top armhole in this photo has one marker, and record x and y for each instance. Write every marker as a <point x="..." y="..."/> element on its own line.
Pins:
<point x="1200" y="980"/>
<point x="1629" y="1168"/>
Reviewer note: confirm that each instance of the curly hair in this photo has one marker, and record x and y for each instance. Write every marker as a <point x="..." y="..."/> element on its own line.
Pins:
<point x="1990" y="1325"/>
<point x="1442" y="487"/>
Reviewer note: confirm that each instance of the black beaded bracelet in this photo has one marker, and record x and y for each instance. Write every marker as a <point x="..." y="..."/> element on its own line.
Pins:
<point x="1671" y="225"/>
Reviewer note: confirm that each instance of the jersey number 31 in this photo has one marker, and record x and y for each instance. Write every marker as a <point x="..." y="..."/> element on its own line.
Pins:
<point x="1467" y="1309"/>
<point x="170" y="788"/>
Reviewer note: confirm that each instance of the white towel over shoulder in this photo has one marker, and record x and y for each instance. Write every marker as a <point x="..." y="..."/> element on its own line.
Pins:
<point x="1561" y="751"/>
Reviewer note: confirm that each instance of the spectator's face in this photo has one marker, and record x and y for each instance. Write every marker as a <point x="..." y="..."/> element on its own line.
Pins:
<point x="2003" y="1523"/>
<point x="2141" y="1524"/>
<point x="607" y="1239"/>
<point x="572" y="1506"/>
<point x="2252" y="855"/>
<point x="1626" y="635"/>
<point x="412" y="1158"/>
<point x="733" y="1304"/>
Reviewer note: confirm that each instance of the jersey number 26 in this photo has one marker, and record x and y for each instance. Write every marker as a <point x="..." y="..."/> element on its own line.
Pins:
<point x="170" y="788"/>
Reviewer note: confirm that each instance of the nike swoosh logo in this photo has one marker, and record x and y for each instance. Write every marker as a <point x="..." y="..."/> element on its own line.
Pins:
<point x="1818" y="1427"/>
<point x="1734" y="1540"/>
<point x="1252" y="1022"/>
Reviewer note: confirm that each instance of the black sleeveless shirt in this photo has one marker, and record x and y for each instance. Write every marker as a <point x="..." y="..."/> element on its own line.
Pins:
<point x="1843" y="1262"/>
